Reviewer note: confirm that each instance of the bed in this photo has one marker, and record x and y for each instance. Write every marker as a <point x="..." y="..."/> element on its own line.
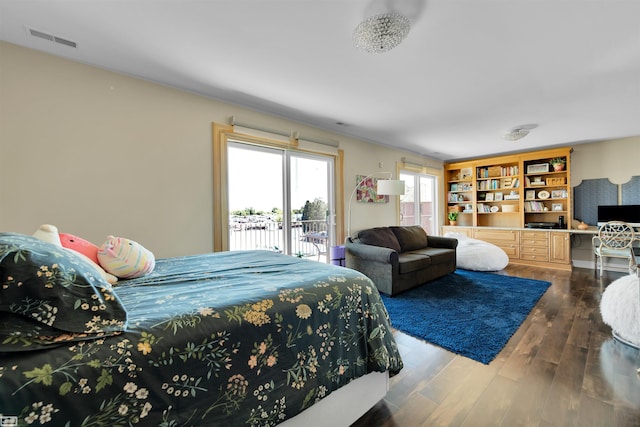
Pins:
<point x="231" y="338"/>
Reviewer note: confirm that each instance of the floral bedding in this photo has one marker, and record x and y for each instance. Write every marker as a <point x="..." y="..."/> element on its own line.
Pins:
<point x="234" y="338"/>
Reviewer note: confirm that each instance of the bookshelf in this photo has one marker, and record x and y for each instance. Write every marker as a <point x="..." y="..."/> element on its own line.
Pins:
<point x="512" y="190"/>
<point x="499" y="196"/>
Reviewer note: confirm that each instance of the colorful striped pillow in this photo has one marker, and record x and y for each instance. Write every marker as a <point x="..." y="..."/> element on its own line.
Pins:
<point x="125" y="258"/>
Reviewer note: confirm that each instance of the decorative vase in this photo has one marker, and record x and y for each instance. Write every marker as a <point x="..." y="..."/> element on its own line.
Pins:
<point x="558" y="167"/>
<point x="453" y="222"/>
<point x="582" y="226"/>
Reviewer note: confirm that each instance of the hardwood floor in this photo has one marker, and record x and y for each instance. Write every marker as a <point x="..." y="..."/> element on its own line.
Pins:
<point x="561" y="368"/>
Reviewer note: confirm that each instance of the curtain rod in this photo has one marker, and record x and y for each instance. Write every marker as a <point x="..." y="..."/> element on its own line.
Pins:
<point x="235" y="122"/>
<point x="291" y="135"/>
<point x="423" y="164"/>
<point x="329" y="142"/>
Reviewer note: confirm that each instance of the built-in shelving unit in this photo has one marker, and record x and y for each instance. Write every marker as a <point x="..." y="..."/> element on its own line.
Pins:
<point x="499" y="198"/>
<point x="511" y="191"/>
<point x="498" y="195"/>
<point x="547" y="191"/>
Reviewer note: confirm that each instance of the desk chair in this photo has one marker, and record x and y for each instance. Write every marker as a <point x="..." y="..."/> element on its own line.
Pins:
<point x="614" y="240"/>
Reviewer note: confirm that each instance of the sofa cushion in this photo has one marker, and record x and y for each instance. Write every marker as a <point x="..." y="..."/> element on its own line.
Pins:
<point x="437" y="255"/>
<point x="412" y="261"/>
<point x="410" y="237"/>
<point x="379" y="236"/>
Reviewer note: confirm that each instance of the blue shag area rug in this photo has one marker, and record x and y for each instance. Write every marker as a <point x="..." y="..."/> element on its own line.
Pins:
<point x="470" y="313"/>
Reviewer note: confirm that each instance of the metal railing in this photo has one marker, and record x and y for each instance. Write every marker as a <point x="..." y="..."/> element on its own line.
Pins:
<point x="309" y="238"/>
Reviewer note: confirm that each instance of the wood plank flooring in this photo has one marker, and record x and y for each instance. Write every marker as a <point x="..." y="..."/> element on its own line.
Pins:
<point x="561" y="368"/>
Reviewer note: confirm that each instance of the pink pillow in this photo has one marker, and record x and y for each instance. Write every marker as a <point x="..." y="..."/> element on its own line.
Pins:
<point x="80" y="245"/>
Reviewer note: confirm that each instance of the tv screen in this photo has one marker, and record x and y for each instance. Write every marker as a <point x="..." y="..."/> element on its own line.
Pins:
<point x="626" y="213"/>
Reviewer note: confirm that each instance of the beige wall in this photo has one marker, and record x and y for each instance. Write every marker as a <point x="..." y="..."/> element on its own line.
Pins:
<point x="617" y="160"/>
<point x="98" y="153"/>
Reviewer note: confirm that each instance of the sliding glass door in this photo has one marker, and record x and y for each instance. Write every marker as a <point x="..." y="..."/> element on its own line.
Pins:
<point x="280" y="200"/>
<point x="256" y="197"/>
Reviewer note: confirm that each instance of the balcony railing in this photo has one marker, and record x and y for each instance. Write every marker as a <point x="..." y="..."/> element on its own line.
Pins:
<point x="309" y="238"/>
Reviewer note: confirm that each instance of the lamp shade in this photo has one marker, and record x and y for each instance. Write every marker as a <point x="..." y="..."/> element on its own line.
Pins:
<point x="390" y="187"/>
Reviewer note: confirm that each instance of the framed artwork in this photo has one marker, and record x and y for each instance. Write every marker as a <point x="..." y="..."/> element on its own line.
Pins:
<point x="489" y="197"/>
<point x="366" y="190"/>
<point x="530" y="194"/>
<point x="559" y="194"/>
<point x="498" y="196"/>
<point x="556" y="207"/>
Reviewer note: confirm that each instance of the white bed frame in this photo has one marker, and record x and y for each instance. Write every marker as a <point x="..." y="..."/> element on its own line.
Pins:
<point x="345" y="405"/>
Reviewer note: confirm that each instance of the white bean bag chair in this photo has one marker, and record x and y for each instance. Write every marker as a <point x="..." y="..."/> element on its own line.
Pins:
<point x="620" y="308"/>
<point x="478" y="255"/>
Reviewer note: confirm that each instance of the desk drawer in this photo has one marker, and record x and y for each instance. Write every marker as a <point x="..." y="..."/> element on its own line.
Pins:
<point x="497" y="235"/>
<point x="534" y="250"/>
<point x="511" y="250"/>
<point x="526" y="234"/>
<point x="528" y="241"/>
<point x="544" y="257"/>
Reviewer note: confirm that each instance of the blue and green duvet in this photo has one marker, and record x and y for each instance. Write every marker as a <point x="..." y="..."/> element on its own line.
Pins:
<point x="231" y="338"/>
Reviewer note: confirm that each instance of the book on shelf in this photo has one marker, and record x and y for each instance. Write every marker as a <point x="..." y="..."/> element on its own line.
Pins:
<point x="482" y="208"/>
<point x="534" y="206"/>
<point x="494" y="171"/>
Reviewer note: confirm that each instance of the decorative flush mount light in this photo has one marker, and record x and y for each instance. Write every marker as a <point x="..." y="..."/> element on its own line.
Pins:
<point x="381" y="33"/>
<point x="518" y="132"/>
<point x="515" y="134"/>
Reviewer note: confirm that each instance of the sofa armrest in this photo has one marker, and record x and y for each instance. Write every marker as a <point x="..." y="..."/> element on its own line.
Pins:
<point x="372" y="253"/>
<point x="442" y="242"/>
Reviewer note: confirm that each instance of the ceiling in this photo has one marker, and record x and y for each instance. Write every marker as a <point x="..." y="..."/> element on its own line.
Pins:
<point x="468" y="72"/>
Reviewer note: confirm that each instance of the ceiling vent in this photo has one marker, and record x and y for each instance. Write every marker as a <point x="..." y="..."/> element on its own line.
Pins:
<point x="51" y="38"/>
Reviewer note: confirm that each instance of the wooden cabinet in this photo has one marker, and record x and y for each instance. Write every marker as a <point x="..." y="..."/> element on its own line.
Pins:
<point x="542" y="248"/>
<point x="547" y="189"/>
<point x="500" y="198"/>
<point x="460" y="193"/>
<point x="560" y="248"/>
<point x="508" y="240"/>
<point x="467" y="231"/>
<point x="512" y="190"/>
<point x="534" y="246"/>
<point x="498" y="192"/>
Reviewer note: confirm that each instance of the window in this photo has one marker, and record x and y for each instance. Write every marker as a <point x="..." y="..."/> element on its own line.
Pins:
<point x="419" y="206"/>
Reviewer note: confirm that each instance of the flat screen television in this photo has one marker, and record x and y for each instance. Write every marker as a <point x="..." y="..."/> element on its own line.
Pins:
<point x="626" y="213"/>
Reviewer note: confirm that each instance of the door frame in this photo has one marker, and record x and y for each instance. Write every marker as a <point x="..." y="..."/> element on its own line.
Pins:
<point x="221" y="135"/>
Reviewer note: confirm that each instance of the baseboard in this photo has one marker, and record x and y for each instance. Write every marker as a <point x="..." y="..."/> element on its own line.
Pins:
<point x="582" y="264"/>
<point x="607" y="267"/>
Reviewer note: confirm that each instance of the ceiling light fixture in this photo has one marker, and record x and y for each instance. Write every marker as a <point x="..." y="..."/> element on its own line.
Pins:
<point x="519" y="132"/>
<point x="381" y="33"/>
<point x="515" y="134"/>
